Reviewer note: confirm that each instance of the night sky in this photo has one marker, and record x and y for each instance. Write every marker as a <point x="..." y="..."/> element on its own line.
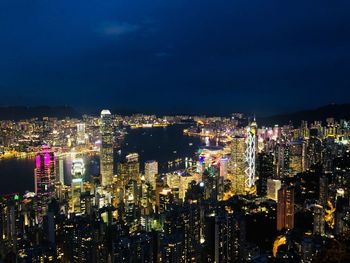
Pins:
<point x="175" y="55"/>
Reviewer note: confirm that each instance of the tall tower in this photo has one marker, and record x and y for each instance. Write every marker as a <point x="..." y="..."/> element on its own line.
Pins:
<point x="44" y="178"/>
<point x="77" y="186"/>
<point x="151" y="171"/>
<point x="81" y="133"/>
<point x="237" y="165"/>
<point x="250" y="155"/>
<point x="45" y="172"/>
<point x="285" y="208"/>
<point x="106" y="156"/>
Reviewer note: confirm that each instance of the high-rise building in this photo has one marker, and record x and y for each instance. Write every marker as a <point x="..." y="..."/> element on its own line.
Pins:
<point x="297" y="156"/>
<point x="314" y="151"/>
<point x="78" y="171"/>
<point x="131" y="200"/>
<point x="319" y="222"/>
<point x="282" y="160"/>
<point x="129" y="170"/>
<point x="106" y="157"/>
<point x="285" y="208"/>
<point x="151" y="171"/>
<point x="273" y="186"/>
<point x="323" y="197"/>
<point x="45" y="172"/>
<point x="77" y="189"/>
<point x="264" y="171"/>
<point x="224" y="167"/>
<point x="250" y="153"/>
<point x="229" y="237"/>
<point x="81" y="133"/>
<point x="44" y="179"/>
<point x="237" y="165"/>
<point x="61" y="170"/>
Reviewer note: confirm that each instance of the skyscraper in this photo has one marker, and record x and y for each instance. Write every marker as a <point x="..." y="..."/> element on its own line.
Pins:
<point x="319" y="222"/>
<point x="237" y="165"/>
<point x="250" y="153"/>
<point x="44" y="179"/>
<point x="45" y="172"/>
<point x="273" y="186"/>
<point x="264" y="171"/>
<point x="106" y="157"/>
<point x="223" y="167"/>
<point x="78" y="170"/>
<point x="129" y="170"/>
<point x="297" y="156"/>
<point x="285" y="208"/>
<point x="282" y="160"/>
<point x="80" y="133"/>
<point x="151" y="171"/>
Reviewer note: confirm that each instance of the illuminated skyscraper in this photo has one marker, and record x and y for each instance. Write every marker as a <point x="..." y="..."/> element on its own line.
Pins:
<point x="129" y="170"/>
<point x="106" y="157"/>
<point x="273" y="186"/>
<point x="223" y="167"/>
<point x="250" y="153"/>
<point x="81" y="133"/>
<point x="151" y="171"/>
<point x="45" y="172"/>
<point x="297" y="156"/>
<point x="282" y="160"/>
<point x="242" y="163"/>
<point x="285" y="208"/>
<point x="237" y="165"/>
<point x="61" y="170"/>
<point x="44" y="179"/>
<point x="78" y="171"/>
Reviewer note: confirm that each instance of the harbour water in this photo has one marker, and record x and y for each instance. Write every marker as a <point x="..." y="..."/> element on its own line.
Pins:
<point x="164" y="144"/>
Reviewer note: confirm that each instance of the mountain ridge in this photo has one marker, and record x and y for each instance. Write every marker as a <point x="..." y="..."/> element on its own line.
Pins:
<point x="337" y="111"/>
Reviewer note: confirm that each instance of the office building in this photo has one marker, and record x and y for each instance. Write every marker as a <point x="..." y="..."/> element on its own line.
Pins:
<point x="106" y="156"/>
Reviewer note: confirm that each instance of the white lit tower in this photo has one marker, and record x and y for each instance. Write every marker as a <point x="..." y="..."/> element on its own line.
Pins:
<point x="77" y="187"/>
<point x="81" y="133"/>
<point x="106" y="157"/>
<point x="250" y="153"/>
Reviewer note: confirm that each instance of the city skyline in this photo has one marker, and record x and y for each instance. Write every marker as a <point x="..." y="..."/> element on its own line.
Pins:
<point x="173" y="189"/>
<point x="174" y="131"/>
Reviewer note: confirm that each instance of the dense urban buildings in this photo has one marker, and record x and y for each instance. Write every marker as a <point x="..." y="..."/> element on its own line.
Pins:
<point x="245" y="193"/>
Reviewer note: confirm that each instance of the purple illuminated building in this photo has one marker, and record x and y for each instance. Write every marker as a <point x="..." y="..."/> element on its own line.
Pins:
<point x="44" y="178"/>
<point x="45" y="171"/>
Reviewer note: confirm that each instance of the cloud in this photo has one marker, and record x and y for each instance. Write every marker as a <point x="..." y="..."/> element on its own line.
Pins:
<point x="162" y="54"/>
<point x="117" y="29"/>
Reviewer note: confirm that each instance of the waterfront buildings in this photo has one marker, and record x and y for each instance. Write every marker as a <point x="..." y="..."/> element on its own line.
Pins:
<point x="204" y="212"/>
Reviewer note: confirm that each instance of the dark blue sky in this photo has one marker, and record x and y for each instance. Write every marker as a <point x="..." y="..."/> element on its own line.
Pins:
<point x="182" y="55"/>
